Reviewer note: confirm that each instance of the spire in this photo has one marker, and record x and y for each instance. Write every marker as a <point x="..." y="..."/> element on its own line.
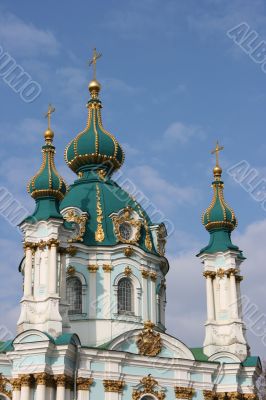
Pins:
<point x="47" y="187"/>
<point x="94" y="148"/>
<point x="219" y="218"/>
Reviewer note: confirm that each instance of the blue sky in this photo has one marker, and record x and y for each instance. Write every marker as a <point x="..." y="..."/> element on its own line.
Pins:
<point x="173" y="83"/>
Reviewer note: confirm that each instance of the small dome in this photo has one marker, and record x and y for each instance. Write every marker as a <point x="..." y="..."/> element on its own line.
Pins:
<point x="219" y="214"/>
<point x="94" y="146"/>
<point x="47" y="182"/>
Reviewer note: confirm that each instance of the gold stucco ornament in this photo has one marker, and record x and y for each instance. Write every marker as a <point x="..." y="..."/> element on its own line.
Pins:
<point x="149" y="342"/>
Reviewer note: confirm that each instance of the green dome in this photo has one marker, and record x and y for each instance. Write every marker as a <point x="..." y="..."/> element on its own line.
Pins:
<point x="94" y="146"/>
<point x="219" y="215"/>
<point x="47" y="182"/>
<point x="101" y="198"/>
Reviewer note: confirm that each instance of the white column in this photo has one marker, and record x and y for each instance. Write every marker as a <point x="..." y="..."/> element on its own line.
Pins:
<point x="63" y="277"/>
<point x="28" y="271"/>
<point x="36" y="282"/>
<point x="25" y="393"/>
<point x="53" y="267"/>
<point x="233" y="295"/>
<point x="41" y="392"/>
<point x="92" y="291"/>
<point x="153" y="299"/>
<point x="210" y="298"/>
<point x="106" y="300"/>
<point x="83" y="388"/>
<point x="60" y="393"/>
<point x="16" y="389"/>
<point x="145" y="275"/>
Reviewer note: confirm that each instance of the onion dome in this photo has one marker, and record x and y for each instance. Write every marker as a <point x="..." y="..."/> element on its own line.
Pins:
<point x="94" y="147"/>
<point x="219" y="219"/>
<point x="47" y="187"/>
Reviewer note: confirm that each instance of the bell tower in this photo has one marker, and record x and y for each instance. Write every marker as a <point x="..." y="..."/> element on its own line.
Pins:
<point x="224" y="328"/>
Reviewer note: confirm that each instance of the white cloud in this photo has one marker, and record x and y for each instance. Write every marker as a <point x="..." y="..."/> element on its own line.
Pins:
<point x="162" y="193"/>
<point x="182" y="133"/>
<point x="21" y="38"/>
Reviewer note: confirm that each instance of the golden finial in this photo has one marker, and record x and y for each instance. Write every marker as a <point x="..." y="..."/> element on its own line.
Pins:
<point x="94" y="85"/>
<point x="49" y="134"/>
<point x="217" y="170"/>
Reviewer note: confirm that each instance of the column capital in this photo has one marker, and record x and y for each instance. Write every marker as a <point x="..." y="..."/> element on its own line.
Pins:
<point x="53" y="242"/>
<point x="221" y="395"/>
<point x="153" y="276"/>
<point x="84" y="383"/>
<point x="145" y="273"/>
<point x="183" y="392"/>
<point x="209" y="274"/>
<point x="71" y="250"/>
<point x="26" y="380"/>
<point x="231" y="271"/>
<point x="234" y="396"/>
<point x="16" y="383"/>
<point x="60" y="380"/>
<point x="250" y="396"/>
<point x="93" y="268"/>
<point x="42" y="378"/>
<point x="107" y="268"/>
<point x="29" y="246"/>
<point x="209" y="394"/>
<point x="113" y="386"/>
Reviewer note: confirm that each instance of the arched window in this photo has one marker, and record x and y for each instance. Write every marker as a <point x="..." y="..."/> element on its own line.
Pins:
<point x="74" y="295"/>
<point x="148" y="398"/>
<point x="125" y="294"/>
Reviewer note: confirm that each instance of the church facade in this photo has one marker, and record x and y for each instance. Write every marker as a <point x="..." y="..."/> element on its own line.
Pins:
<point x="92" y="316"/>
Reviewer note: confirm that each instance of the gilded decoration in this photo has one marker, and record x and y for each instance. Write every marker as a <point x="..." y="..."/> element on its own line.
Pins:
<point x="148" y="341"/>
<point x="128" y="251"/>
<point x="183" y="392"/>
<point x="127" y="271"/>
<point x="16" y="384"/>
<point x="234" y="396"/>
<point x="161" y="239"/>
<point x="147" y="386"/>
<point x="71" y="270"/>
<point x="27" y="380"/>
<point x="79" y="219"/>
<point x="107" y="268"/>
<point x="71" y="250"/>
<point x="93" y="268"/>
<point x="250" y="396"/>
<point x="153" y="276"/>
<point x="145" y="273"/>
<point x="209" y="274"/>
<point x="99" y="234"/>
<point x="84" y="383"/>
<point x="231" y="271"/>
<point x="220" y="272"/>
<point x="209" y="394"/>
<point x="125" y="218"/>
<point x="113" y="386"/>
<point x="4" y="384"/>
<point x="221" y="396"/>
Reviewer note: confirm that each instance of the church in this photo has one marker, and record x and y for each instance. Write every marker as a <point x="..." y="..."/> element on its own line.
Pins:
<point x="92" y="313"/>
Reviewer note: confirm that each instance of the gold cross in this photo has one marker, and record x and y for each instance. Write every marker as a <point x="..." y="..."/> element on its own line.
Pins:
<point x="216" y="152"/>
<point x="93" y="61"/>
<point x="51" y="109"/>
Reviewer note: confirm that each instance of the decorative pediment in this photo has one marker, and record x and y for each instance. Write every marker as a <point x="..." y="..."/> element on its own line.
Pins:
<point x="78" y="219"/>
<point x="127" y="225"/>
<point x="148" y="386"/>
